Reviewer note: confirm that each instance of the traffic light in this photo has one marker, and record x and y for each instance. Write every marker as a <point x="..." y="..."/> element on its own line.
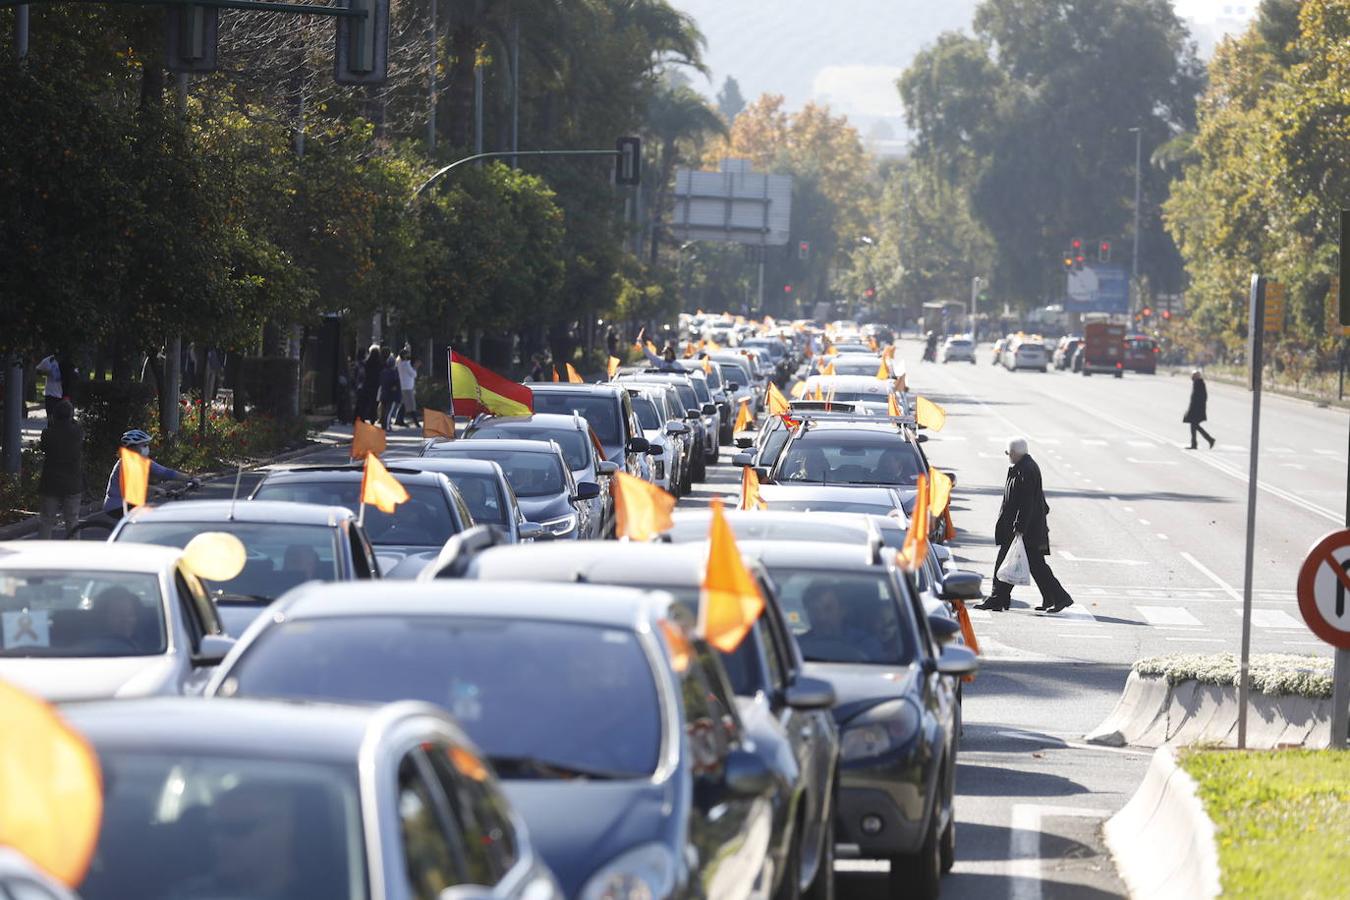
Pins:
<point x="1068" y="263"/>
<point x="787" y="288"/>
<point x="1146" y="312"/>
<point x="361" y="54"/>
<point x="190" y="38"/>
<point x="803" y="249"/>
<point x="628" y="164"/>
<point x="1104" y="251"/>
<point x="1076" y="251"/>
<point x="869" y="293"/>
<point x="1167" y="315"/>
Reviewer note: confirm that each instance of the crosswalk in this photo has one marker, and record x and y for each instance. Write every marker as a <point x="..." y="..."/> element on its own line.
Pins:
<point x="1114" y="439"/>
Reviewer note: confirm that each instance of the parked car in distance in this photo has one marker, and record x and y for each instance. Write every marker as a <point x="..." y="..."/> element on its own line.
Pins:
<point x="664" y="432"/>
<point x="1062" y="358"/>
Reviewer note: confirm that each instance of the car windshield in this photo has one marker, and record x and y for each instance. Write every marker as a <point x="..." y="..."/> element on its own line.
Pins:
<point x="600" y="411"/>
<point x="744" y="673"/>
<point x="714" y="378"/>
<point x="840" y="617"/>
<point x="770" y="528"/>
<point x="240" y="828"/>
<point x="856" y="368"/>
<point x="825" y="458"/>
<point x="787" y="503"/>
<point x="579" y="697"/>
<point x="648" y="417"/>
<point x="483" y="495"/>
<point x="76" y="613"/>
<point x="424" y="520"/>
<point x="280" y="556"/>
<point x="531" y="474"/>
<point x="737" y="373"/>
<point x="575" y="446"/>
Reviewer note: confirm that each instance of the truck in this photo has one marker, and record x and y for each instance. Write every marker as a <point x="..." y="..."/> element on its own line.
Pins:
<point x="1103" y="348"/>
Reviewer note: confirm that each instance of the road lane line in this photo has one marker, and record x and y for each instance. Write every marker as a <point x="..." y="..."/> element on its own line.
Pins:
<point x="1167" y="615"/>
<point x="1024" y="845"/>
<point x="1273" y="618"/>
<point x="1162" y="537"/>
<point x="1205" y="571"/>
<point x="1069" y="557"/>
<point x="1201" y="640"/>
<point x="1145" y="522"/>
<point x="1152" y="462"/>
<point x="1149" y="444"/>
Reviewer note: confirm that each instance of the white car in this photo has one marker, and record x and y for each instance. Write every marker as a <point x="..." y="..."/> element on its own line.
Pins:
<point x="958" y="348"/>
<point x="20" y="879"/>
<point x="96" y="621"/>
<point x="1025" y="353"/>
<point x="661" y="430"/>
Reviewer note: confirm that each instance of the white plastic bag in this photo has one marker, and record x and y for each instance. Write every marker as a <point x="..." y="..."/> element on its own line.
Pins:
<point x="1015" y="569"/>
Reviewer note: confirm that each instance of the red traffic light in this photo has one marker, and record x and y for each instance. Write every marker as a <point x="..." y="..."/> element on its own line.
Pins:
<point x="1147" y="312"/>
<point x="1076" y="244"/>
<point x="1104" y="251"/>
<point x="1167" y="314"/>
<point x="869" y="293"/>
<point x="787" y="288"/>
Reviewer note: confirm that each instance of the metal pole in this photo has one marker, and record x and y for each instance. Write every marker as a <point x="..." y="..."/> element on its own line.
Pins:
<point x="14" y="410"/>
<point x="477" y="109"/>
<point x="974" y="303"/>
<point x="431" y="79"/>
<point x="515" y="90"/>
<point x="21" y="32"/>
<point x="761" y="279"/>
<point x="1255" y="335"/>
<point x="1138" y="162"/>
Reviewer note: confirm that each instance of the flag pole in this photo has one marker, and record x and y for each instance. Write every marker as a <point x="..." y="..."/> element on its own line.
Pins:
<point x="450" y="382"/>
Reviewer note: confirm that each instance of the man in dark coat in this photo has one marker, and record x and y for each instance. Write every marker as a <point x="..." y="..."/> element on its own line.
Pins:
<point x="1195" y="413"/>
<point x="1024" y="512"/>
<point x="61" y="485"/>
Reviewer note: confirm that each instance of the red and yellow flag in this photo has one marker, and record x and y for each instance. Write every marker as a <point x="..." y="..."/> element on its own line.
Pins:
<point x="380" y="489"/>
<point x="775" y="402"/>
<point x="641" y="510"/>
<point x="750" y="498"/>
<point x="134" y="476"/>
<point x="478" y="390"/>
<point x="613" y="367"/>
<point x="572" y="376"/>
<point x="437" y="424"/>
<point x="743" y="418"/>
<point x="367" y="439"/>
<point x="51" y="787"/>
<point x="928" y="414"/>
<point x="731" y="601"/>
<point x="915" y="549"/>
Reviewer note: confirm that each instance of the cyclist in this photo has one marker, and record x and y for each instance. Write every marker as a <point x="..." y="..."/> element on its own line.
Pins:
<point x="138" y="440"/>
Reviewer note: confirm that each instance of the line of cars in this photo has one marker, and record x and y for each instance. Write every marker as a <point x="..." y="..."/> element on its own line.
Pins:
<point x="556" y="729"/>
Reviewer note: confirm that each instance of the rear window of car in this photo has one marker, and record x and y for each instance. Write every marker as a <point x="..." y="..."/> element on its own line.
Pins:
<point x="530" y="474"/>
<point x="601" y="412"/>
<point x="575" y="446"/>
<point x="736" y="373"/>
<point x="424" y="520"/>
<point x="483" y="495"/>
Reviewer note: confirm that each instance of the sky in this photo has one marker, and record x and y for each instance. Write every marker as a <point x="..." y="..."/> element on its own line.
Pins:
<point x="848" y="53"/>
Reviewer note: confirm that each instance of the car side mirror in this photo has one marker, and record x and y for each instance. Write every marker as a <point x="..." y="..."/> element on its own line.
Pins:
<point x="676" y="428"/>
<point x="921" y="438"/>
<point x="693" y="415"/>
<point x="710" y="409"/>
<point x="587" y="490"/>
<point x="638" y="445"/>
<point x="532" y="531"/>
<point x="957" y="661"/>
<point x="809" y="693"/>
<point x="762" y="473"/>
<point x="212" y="650"/>
<point x="745" y="443"/>
<point x="746" y="774"/>
<point x="944" y="628"/>
<point x="962" y="585"/>
<point x="744" y="458"/>
<point x="607" y="467"/>
<point x="733" y="387"/>
<point x="656" y="450"/>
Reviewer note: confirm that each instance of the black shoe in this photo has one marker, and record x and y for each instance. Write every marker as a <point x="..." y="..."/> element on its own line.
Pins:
<point x="1060" y="607"/>
<point x="1045" y="606"/>
<point x="1192" y="447"/>
<point x="1212" y="442"/>
<point x="995" y="605"/>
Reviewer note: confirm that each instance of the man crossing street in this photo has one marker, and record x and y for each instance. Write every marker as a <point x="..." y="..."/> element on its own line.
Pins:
<point x="1024" y="512"/>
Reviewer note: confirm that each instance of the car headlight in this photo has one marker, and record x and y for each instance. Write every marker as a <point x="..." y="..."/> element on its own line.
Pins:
<point x="883" y="728"/>
<point x="647" y="872"/>
<point x="560" y="526"/>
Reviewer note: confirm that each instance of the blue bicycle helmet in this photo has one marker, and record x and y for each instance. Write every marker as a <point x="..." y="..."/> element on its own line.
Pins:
<point x="135" y="437"/>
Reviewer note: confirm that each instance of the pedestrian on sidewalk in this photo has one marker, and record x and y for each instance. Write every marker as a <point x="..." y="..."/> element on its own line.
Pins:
<point x="368" y="394"/>
<point x="1024" y="512"/>
<point x="389" y="391"/>
<point x="1196" y="413"/>
<point x="53" y="392"/>
<point x="61" y="484"/>
<point x="407" y="383"/>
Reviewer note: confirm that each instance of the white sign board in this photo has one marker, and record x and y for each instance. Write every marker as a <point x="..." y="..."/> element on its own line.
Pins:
<point x="733" y="205"/>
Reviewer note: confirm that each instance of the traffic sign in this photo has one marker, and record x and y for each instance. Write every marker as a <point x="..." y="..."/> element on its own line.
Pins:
<point x="1324" y="589"/>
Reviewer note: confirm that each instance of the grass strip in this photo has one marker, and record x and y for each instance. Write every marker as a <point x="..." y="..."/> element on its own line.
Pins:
<point x="1280" y="816"/>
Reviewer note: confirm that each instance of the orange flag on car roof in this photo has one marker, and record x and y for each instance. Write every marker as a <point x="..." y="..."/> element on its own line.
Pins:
<point x="366" y="439"/>
<point x="51" y="788"/>
<point x="555" y="374"/>
<point x="743" y="417"/>
<point x="572" y="376"/>
<point x="380" y="489"/>
<point x="893" y="406"/>
<point x="731" y="601"/>
<point x="750" y="498"/>
<point x="940" y="491"/>
<point x="883" y="370"/>
<point x="641" y="510"/>
<point x="775" y="402"/>
<point x="798" y="391"/>
<point x="613" y="367"/>
<point x="928" y="414"/>
<point x="134" y="477"/>
<point x="437" y="424"/>
<point x="915" y="549"/>
<point x="475" y="389"/>
<point x="827" y="369"/>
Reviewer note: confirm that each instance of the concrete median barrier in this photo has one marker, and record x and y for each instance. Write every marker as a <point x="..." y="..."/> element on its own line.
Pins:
<point x="1162" y="840"/>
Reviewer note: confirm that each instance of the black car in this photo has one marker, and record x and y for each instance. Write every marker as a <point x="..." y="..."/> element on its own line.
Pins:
<point x="607" y="408"/>
<point x="485" y="490"/>
<point x="612" y="729"/>
<point x="853" y="451"/>
<point x="862" y="627"/>
<point x="406" y="539"/>
<point x="784" y="711"/>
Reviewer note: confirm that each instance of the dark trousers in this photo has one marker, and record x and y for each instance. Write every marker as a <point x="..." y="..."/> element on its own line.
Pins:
<point x="1051" y="590"/>
<point x="1195" y="427"/>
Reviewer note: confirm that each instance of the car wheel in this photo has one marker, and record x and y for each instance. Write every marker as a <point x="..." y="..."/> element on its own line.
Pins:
<point x="822" y="888"/>
<point x="700" y="470"/>
<point x="947" y="846"/>
<point x="919" y="874"/>
<point x="790" y="881"/>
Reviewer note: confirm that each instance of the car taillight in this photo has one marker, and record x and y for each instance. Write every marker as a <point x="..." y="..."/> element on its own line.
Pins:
<point x="1155" y="350"/>
<point x="1120" y="365"/>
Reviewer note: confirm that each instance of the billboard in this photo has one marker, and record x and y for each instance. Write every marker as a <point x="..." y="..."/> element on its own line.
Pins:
<point x="1098" y="287"/>
<point x="732" y="205"/>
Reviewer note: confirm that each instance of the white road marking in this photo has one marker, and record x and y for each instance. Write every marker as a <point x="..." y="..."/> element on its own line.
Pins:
<point x="1145" y="522"/>
<point x="1128" y="509"/>
<point x="1069" y="557"/>
<point x="1200" y="640"/>
<point x="1161" y="537"/>
<point x="1298" y="466"/>
<point x="1325" y="452"/>
<point x="1141" y="443"/>
<point x="1083" y="634"/>
<point x="1076" y="615"/>
<point x="1272" y="618"/>
<point x="1024" y="845"/>
<point x="1152" y="462"/>
<point x="1205" y="571"/>
<point x="1167" y="615"/>
<point x="979" y="615"/>
<point x="1093" y="442"/>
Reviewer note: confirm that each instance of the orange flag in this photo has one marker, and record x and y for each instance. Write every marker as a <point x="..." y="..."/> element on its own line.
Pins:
<point x="928" y="414"/>
<point x="707" y="366"/>
<point x="820" y="395"/>
<point x="940" y="491"/>
<point x="613" y="368"/>
<point x="731" y="601"/>
<point x="689" y="351"/>
<point x="827" y="369"/>
<point x="798" y="391"/>
<point x="379" y="488"/>
<point x="872" y="342"/>
<point x="967" y="629"/>
<point x="913" y="552"/>
<point x="555" y="374"/>
<point x="572" y="376"/>
<point x="641" y="510"/>
<point x="135" y="476"/>
<point x="775" y="402"/>
<point x="51" y="788"/>
<point x="366" y="440"/>
<point x="743" y="418"/>
<point x="893" y="406"/>
<point x="883" y="371"/>
<point x="949" y="530"/>
<point x="750" y="498"/>
<point x="437" y="424"/>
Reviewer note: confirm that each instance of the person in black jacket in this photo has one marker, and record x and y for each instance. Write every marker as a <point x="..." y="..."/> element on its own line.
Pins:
<point x="1024" y="512"/>
<point x="1195" y="413"/>
<point x="367" y="397"/>
<point x="61" y="485"/>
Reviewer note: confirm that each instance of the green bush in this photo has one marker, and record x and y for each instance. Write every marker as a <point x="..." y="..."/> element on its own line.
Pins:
<point x="107" y="409"/>
<point x="270" y="383"/>
<point x="1271" y="673"/>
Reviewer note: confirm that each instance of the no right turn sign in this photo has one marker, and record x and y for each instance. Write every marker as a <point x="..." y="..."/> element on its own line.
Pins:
<point x="1324" y="589"/>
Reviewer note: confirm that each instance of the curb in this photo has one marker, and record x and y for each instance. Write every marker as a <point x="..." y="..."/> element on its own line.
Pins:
<point x="1162" y="840"/>
<point x="1153" y="713"/>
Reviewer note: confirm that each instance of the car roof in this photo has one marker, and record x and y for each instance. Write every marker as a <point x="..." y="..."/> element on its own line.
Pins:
<point x="844" y="493"/>
<point x="548" y="448"/>
<point x="567" y="387"/>
<point x="273" y="511"/>
<point x="266" y="729"/>
<point x="121" y="557"/>
<point x="847" y="557"/>
<point x="448" y="465"/>
<point x="852" y="429"/>
<point x="824" y="520"/>
<point x="590" y="604"/>
<point x="865" y="384"/>
<point x="348" y="473"/>
<point x="854" y="356"/>
<point x="598" y="562"/>
<point x="534" y="422"/>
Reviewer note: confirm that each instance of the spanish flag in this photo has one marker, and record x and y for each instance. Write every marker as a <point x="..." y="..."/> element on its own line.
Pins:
<point x="731" y="601"/>
<point x="478" y="390"/>
<point x="134" y="476"/>
<point x="379" y="488"/>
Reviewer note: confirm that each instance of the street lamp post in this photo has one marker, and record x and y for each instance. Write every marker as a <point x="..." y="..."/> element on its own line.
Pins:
<point x="975" y="283"/>
<point x="1134" y="255"/>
